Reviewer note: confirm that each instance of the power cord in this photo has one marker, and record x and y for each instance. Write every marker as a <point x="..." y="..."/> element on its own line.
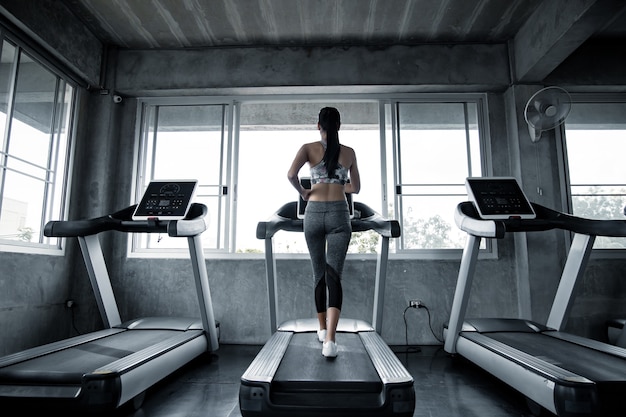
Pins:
<point x="71" y="305"/>
<point x="430" y="324"/>
<point x="418" y="305"/>
<point x="409" y="349"/>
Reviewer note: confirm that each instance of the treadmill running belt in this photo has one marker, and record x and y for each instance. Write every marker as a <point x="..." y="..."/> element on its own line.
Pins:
<point x="69" y="365"/>
<point x="303" y="368"/>
<point x="590" y="363"/>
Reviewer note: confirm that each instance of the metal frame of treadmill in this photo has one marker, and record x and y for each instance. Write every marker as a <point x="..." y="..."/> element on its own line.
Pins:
<point x="285" y="219"/>
<point x="544" y="383"/>
<point x="129" y="376"/>
<point x="255" y="399"/>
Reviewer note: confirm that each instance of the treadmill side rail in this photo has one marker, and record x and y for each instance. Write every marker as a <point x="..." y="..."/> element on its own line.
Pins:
<point x="539" y="366"/>
<point x="264" y="366"/>
<point x="533" y="385"/>
<point x="387" y="364"/>
<point x="49" y="348"/>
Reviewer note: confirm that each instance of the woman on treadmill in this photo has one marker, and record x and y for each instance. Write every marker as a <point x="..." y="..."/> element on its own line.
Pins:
<point x="327" y="227"/>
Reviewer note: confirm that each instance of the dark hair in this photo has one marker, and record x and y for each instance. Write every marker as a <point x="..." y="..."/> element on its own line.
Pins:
<point x="330" y="121"/>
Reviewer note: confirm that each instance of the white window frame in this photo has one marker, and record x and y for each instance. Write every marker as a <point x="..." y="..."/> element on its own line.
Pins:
<point x="226" y="192"/>
<point x="59" y="166"/>
<point x="388" y="166"/>
<point x="567" y="194"/>
<point x="488" y="246"/>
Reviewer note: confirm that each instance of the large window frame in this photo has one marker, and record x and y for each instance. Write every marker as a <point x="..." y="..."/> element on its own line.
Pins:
<point x="388" y="131"/>
<point x="167" y="121"/>
<point x="601" y="188"/>
<point x="441" y="114"/>
<point x="36" y="148"/>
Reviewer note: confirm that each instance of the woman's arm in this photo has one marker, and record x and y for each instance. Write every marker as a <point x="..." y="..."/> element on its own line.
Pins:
<point x="354" y="186"/>
<point x="301" y="158"/>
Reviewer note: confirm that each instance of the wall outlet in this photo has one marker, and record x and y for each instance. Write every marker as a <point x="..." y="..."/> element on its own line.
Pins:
<point x="416" y="303"/>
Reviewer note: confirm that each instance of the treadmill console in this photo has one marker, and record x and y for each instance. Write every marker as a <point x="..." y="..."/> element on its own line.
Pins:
<point x="166" y="200"/>
<point x="498" y="198"/>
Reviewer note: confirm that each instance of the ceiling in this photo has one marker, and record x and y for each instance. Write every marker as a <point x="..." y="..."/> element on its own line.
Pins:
<point x="176" y="24"/>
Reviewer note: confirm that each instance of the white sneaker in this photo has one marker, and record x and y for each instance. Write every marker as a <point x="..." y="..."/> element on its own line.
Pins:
<point x="329" y="349"/>
<point x="321" y="335"/>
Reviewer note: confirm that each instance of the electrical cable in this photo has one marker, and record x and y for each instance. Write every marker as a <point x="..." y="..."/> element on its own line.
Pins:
<point x="409" y="349"/>
<point x="430" y="325"/>
<point x="415" y="348"/>
<point x="74" y="322"/>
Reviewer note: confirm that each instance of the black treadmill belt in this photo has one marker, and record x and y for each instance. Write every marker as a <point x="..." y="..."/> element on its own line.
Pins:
<point x="303" y="368"/>
<point x="112" y="352"/>
<point x="590" y="363"/>
<point x="69" y="365"/>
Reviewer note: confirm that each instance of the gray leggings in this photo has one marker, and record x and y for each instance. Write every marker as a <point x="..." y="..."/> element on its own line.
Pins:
<point x="327" y="230"/>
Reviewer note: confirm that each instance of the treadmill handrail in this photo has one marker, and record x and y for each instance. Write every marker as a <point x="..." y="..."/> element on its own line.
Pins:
<point x="194" y="224"/>
<point x="468" y="220"/>
<point x="286" y="219"/>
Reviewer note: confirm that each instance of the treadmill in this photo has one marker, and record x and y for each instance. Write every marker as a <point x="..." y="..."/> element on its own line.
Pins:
<point x="105" y="369"/>
<point x="563" y="373"/>
<point x="290" y="376"/>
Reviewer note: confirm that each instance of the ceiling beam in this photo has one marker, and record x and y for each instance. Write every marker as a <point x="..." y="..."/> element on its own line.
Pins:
<point x="555" y="30"/>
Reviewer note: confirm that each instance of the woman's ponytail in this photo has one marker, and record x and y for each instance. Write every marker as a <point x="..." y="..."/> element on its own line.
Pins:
<point x="330" y="121"/>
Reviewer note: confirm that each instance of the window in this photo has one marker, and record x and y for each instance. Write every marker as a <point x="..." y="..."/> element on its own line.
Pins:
<point x="437" y="147"/>
<point x="35" y="122"/>
<point x="595" y="141"/>
<point x="413" y="158"/>
<point x="186" y="142"/>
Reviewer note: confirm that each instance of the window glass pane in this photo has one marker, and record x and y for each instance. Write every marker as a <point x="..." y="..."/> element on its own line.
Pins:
<point x="432" y="134"/>
<point x="591" y="159"/>
<point x="189" y="143"/>
<point x="32" y="115"/>
<point x="596" y="142"/>
<point x="428" y="223"/>
<point x="21" y="214"/>
<point x="270" y="135"/>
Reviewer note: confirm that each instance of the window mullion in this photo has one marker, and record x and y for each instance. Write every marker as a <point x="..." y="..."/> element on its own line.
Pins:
<point x="9" y="117"/>
<point x="232" y="163"/>
<point x="45" y="202"/>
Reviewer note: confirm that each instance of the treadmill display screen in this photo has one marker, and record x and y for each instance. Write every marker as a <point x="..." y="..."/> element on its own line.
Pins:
<point x="499" y="198"/>
<point x="166" y="200"/>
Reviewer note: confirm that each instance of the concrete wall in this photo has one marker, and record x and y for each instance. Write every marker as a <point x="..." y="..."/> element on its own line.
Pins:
<point x="521" y="281"/>
<point x="54" y="30"/>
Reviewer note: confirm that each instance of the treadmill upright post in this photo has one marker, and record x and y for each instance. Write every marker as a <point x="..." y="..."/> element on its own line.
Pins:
<point x="462" y="292"/>
<point x="202" y="288"/>
<point x="270" y="273"/>
<point x="571" y="277"/>
<point x="100" y="280"/>
<point x="381" y="279"/>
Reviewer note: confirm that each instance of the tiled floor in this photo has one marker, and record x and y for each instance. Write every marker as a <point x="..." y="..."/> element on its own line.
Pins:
<point x="445" y="386"/>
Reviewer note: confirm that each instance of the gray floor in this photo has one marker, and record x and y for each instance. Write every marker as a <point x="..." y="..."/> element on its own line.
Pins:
<point x="444" y="387"/>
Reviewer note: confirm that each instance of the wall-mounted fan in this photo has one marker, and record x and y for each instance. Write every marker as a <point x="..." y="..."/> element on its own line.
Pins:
<point x="545" y="110"/>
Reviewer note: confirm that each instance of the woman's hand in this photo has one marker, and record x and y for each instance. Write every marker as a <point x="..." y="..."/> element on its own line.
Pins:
<point x="305" y="194"/>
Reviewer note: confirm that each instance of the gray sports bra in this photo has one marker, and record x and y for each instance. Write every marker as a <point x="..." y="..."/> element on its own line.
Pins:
<point x="319" y="174"/>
